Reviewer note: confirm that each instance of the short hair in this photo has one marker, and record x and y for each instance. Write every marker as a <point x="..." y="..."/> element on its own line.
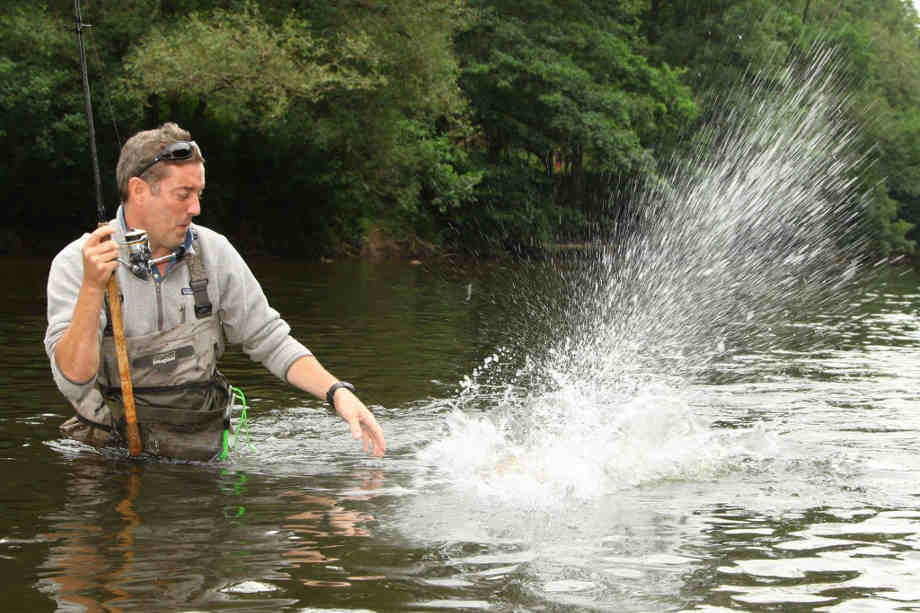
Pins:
<point x="140" y="150"/>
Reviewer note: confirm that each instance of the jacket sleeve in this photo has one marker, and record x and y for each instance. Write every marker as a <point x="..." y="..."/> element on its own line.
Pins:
<point x="64" y="280"/>
<point x="245" y="314"/>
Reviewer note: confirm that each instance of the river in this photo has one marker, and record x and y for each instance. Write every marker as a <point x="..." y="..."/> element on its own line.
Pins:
<point x="785" y="477"/>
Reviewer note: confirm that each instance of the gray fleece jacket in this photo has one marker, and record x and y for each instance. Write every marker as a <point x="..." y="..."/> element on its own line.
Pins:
<point x="158" y="305"/>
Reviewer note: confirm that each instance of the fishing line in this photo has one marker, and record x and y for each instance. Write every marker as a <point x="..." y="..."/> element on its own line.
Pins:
<point x="88" y="107"/>
<point x="105" y="95"/>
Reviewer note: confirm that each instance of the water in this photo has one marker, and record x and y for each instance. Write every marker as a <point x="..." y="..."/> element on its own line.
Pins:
<point x="783" y="479"/>
<point x="715" y="409"/>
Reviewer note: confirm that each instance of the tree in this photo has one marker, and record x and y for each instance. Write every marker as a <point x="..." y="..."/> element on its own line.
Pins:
<point x="367" y="93"/>
<point x="43" y="132"/>
<point x="566" y="90"/>
<point x="726" y="43"/>
<point x="880" y="40"/>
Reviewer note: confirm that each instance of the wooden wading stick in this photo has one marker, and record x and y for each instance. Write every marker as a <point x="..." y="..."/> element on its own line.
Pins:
<point x="124" y="369"/>
<point x="118" y="327"/>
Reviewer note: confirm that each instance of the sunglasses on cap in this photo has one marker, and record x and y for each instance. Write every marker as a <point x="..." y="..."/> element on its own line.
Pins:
<point x="176" y="152"/>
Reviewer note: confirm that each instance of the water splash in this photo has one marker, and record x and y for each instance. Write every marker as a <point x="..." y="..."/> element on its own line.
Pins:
<point x="717" y="256"/>
<point x="762" y="221"/>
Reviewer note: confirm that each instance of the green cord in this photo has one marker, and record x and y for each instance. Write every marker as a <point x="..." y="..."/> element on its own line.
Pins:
<point x="244" y="419"/>
<point x="226" y="446"/>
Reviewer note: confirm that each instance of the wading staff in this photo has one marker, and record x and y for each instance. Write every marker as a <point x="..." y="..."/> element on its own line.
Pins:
<point x="118" y="327"/>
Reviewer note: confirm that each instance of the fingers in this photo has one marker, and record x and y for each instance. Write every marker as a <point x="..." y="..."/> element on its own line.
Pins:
<point x="355" y="424"/>
<point x="361" y="422"/>
<point x="364" y="427"/>
<point x="101" y="233"/>
<point x="100" y="237"/>
<point x="373" y="436"/>
<point x="100" y="257"/>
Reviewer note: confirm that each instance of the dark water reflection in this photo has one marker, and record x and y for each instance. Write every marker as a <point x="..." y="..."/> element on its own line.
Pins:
<point x="79" y="531"/>
<point x="378" y="323"/>
<point x="818" y="513"/>
<point x="125" y="539"/>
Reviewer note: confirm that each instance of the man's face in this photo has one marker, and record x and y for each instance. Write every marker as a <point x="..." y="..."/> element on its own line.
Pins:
<point x="168" y="211"/>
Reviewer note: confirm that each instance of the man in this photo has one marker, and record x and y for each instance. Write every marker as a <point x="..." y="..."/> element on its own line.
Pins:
<point x="178" y="311"/>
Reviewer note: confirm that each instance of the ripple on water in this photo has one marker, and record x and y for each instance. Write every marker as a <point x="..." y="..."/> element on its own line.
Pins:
<point x="863" y="555"/>
<point x="478" y="605"/>
<point x="250" y="587"/>
<point x="568" y="585"/>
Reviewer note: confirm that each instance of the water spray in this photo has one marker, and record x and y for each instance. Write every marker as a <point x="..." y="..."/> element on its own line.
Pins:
<point x="715" y="258"/>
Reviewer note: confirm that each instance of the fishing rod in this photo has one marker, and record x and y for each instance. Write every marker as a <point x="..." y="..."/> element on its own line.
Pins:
<point x="132" y="431"/>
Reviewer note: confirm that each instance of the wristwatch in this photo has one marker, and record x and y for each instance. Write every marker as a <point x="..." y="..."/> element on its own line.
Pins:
<point x="334" y="387"/>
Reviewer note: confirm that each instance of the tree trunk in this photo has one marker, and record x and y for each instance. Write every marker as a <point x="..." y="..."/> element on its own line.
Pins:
<point x="152" y="112"/>
<point x="198" y="117"/>
<point x="653" y="12"/>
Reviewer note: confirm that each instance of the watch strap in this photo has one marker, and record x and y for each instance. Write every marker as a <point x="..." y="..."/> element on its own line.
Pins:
<point x="334" y="388"/>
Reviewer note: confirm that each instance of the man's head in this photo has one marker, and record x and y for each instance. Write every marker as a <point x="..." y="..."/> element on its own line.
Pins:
<point x="138" y="155"/>
<point x="160" y="177"/>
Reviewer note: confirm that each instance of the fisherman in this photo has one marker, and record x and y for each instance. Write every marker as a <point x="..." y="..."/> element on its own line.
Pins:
<point x="178" y="312"/>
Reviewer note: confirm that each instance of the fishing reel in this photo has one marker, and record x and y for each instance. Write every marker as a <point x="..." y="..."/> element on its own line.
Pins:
<point x="140" y="259"/>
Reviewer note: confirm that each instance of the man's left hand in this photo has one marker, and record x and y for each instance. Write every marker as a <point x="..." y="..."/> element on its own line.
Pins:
<point x="364" y="426"/>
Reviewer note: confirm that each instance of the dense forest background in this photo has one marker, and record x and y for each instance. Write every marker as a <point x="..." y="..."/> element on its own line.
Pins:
<point x="478" y="126"/>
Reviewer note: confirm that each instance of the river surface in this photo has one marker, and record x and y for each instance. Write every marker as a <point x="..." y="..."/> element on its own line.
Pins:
<point x="785" y="477"/>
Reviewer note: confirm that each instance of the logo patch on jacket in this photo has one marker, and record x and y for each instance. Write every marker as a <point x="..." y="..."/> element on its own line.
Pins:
<point x="165" y="361"/>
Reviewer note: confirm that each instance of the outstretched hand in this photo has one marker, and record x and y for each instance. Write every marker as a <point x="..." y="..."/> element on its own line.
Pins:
<point x="364" y="426"/>
<point x="309" y="375"/>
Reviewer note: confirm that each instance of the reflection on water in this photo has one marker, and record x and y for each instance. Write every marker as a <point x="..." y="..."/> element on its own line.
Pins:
<point x="115" y="546"/>
<point x="86" y="569"/>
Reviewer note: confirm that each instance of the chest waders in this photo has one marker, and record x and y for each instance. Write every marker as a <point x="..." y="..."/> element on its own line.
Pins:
<point x="182" y="401"/>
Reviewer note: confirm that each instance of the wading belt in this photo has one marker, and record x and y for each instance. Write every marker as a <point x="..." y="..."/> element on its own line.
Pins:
<point x="149" y="409"/>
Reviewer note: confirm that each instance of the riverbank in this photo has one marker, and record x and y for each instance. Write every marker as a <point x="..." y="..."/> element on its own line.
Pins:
<point x="378" y="244"/>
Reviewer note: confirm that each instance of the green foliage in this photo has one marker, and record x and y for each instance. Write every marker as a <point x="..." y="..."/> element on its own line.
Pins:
<point x="43" y="130"/>
<point x="244" y="69"/>
<point x="40" y="79"/>
<point x="569" y="85"/>
<point x="722" y="42"/>
<point x="880" y="42"/>
<point x="477" y="125"/>
<point x="886" y="88"/>
<point x="397" y="146"/>
<point x="514" y="212"/>
<point x="726" y="42"/>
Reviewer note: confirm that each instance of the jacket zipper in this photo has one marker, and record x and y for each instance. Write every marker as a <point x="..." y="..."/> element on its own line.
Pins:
<point x="159" y="307"/>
